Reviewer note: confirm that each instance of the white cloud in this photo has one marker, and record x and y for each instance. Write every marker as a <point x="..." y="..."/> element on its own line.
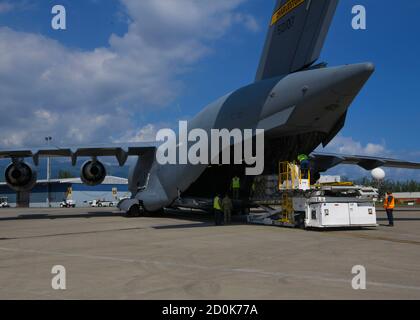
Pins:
<point x="93" y="96"/>
<point x="248" y="21"/>
<point x="146" y="133"/>
<point x="348" y="146"/>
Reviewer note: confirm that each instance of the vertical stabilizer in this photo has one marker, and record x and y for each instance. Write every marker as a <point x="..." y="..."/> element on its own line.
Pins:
<point x="296" y="35"/>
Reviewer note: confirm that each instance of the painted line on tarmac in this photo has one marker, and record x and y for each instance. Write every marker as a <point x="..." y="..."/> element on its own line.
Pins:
<point x="222" y="269"/>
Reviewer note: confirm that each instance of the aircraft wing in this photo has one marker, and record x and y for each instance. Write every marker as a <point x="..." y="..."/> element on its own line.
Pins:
<point x="322" y="162"/>
<point x="120" y="151"/>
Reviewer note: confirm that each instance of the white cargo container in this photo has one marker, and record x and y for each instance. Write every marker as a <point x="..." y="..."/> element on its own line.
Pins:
<point x="324" y="207"/>
<point x="332" y="214"/>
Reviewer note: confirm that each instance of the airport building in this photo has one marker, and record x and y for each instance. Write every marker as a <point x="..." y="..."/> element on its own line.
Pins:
<point x="52" y="193"/>
<point x="407" y="197"/>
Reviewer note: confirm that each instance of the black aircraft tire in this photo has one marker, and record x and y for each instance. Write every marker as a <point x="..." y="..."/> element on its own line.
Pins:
<point x="134" y="211"/>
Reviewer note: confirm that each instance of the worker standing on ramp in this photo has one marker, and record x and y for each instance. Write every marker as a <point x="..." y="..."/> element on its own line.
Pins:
<point x="236" y="187"/>
<point x="227" y="206"/>
<point x="304" y="165"/>
<point x="217" y="209"/>
<point x="389" y="205"/>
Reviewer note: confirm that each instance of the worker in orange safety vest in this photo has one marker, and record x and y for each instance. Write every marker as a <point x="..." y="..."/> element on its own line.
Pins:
<point x="389" y="205"/>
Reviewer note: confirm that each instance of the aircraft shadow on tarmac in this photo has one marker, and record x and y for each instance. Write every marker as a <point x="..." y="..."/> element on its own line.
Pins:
<point x="172" y="214"/>
<point x="203" y="219"/>
<point x="59" y="216"/>
<point x="185" y="226"/>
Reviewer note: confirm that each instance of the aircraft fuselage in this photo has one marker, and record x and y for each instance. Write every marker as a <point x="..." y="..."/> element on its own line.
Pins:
<point x="302" y="109"/>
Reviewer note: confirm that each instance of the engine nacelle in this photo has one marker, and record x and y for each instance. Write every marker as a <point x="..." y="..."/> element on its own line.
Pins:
<point x="92" y="173"/>
<point x="20" y="176"/>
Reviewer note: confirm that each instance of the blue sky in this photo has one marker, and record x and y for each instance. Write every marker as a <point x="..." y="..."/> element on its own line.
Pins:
<point x="200" y="62"/>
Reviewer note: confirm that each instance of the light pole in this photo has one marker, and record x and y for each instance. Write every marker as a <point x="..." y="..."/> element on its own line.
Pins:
<point x="48" y="140"/>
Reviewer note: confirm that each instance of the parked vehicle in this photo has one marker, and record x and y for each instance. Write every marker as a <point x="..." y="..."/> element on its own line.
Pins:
<point x="68" y="204"/>
<point x="102" y="203"/>
<point x="4" y="203"/>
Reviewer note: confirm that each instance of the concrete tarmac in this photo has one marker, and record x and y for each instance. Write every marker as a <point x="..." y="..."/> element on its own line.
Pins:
<point x="107" y="256"/>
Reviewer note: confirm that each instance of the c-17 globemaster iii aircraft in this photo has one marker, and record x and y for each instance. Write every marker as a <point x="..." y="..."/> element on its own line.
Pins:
<point x="299" y="104"/>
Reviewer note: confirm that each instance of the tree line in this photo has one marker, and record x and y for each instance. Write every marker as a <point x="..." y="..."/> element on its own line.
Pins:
<point x="389" y="185"/>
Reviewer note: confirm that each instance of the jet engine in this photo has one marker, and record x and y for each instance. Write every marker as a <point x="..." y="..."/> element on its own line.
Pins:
<point x="93" y="173"/>
<point x="20" y="176"/>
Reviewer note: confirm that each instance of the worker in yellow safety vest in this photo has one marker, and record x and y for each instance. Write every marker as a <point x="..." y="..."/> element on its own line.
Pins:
<point x="217" y="210"/>
<point x="236" y="187"/>
<point x="304" y="162"/>
<point x="389" y="205"/>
